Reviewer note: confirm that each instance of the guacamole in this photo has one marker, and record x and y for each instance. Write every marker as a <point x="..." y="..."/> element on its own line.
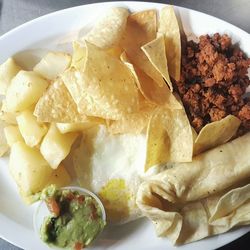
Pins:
<point x="75" y="219"/>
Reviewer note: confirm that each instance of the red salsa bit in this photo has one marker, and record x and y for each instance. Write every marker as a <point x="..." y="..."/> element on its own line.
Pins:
<point x="53" y="206"/>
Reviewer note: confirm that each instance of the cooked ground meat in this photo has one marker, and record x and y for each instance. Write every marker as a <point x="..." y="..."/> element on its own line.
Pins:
<point x="213" y="81"/>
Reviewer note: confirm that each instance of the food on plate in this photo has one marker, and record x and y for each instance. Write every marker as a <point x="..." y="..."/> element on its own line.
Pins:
<point x="169" y="137"/>
<point x="79" y="55"/>
<point x="59" y="177"/>
<point x="12" y="134"/>
<point x="126" y="111"/>
<point x="141" y="29"/>
<point x="134" y="123"/>
<point x="169" y="28"/>
<point x="6" y="116"/>
<point x="108" y="30"/>
<point x="112" y="167"/>
<point x="25" y="90"/>
<point x="216" y="133"/>
<point x="52" y="105"/>
<point x="7" y="71"/>
<point x="32" y="172"/>
<point x="75" y="221"/>
<point x="214" y="81"/>
<point x="56" y="146"/>
<point x="53" y="64"/>
<point x="150" y="91"/>
<point x="104" y="87"/>
<point x="207" y="196"/>
<point x="31" y="130"/>
<point x="155" y="52"/>
<point x="3" y="141"/>
<point x="78" y="126"/>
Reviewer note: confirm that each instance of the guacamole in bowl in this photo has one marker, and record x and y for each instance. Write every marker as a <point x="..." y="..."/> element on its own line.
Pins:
<point x="76" y="217"/>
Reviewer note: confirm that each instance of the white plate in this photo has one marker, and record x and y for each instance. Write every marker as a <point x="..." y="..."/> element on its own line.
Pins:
<point x="58" y="28"/>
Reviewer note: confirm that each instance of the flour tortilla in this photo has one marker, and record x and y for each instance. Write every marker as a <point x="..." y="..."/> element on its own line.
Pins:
<point x="208" y="196"/>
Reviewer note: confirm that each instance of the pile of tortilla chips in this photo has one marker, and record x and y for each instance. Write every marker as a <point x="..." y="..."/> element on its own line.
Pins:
<point x="121" y="75"/>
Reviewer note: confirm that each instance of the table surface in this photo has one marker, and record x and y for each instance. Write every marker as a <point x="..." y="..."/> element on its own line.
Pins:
<point x="16" y="12"/>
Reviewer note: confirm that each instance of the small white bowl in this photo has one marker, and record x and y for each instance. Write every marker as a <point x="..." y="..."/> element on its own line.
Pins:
<point x="42" y="211"/>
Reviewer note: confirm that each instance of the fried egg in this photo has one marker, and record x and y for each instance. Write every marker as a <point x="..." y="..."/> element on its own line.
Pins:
<point x="112" y="166"/>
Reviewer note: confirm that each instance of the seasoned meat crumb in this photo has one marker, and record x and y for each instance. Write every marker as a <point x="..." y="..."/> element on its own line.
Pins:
<point x="213" y="81"/>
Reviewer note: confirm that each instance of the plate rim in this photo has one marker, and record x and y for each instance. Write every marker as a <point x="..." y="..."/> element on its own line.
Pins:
<point x="40" y="19"/>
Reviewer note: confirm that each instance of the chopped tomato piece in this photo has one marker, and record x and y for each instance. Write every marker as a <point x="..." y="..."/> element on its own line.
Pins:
<point x="78" y="246"/>
<point x="94" y="211"/>
<point x="70" y="196"/>
<point x="53" y="206"/>
<point x="81" y="199"/>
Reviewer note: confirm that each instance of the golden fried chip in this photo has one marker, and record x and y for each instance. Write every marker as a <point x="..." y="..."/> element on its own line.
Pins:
<point x="149" y="89"/>
<point x="79" y="55"/>
<point x="57" y="105"/>
<point x="155" y="51"/>
<point x="115" y="51"/>
<point x="168" y="26"/>
<point x="133" y="123"/>
<point x="216" y="133"/>
<point x="169" y="137"/>
<point x="140" y="30"/>
<point x="108" y="31"/>
<point x="105" y="88"/>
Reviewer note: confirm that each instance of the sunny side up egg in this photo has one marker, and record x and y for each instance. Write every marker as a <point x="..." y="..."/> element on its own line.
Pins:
<point x="112" y="166"/>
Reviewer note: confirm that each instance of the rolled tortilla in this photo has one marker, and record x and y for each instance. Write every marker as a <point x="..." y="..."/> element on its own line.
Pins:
<point x="207" y="196"/>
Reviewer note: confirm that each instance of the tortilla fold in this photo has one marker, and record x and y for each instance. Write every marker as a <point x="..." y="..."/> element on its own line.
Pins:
<point x="207" y="196"/>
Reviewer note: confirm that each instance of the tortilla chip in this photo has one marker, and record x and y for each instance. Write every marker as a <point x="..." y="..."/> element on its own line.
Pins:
<point x="155" y="51"/>
<point x="133" y="123"/>
<point x="115" y="52"/>
<point x="108" y="31"/>
<point x="105" y="88"/>
<point x="79" y="55"/>
<point x="216" y="133"/>
<point x="140" y="30"/>
<point x="169" y="137"/>
<point x="57" y="105"/>
<point x="194" y="134"/>
<point x="207" y="196"/>
<point x="168" y="26"/>
<point x="149" y="89"/>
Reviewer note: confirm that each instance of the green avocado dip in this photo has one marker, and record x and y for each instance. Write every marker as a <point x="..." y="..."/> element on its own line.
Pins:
<point x="75" y="219"/>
